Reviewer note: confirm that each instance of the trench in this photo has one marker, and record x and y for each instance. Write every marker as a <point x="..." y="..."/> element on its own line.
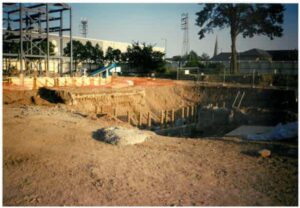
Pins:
<point x="185" y="111"/>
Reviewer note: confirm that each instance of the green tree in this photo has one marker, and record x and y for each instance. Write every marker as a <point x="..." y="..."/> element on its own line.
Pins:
<point x="97" y="56"/>
<point x="117" y="55"/>
<point x="143" y="58"/>
<point x="109" y="55"/>
<point x="192" y="59"/>
<point x="177" y="58"/>
<point x="78" y="52"/>
<point x="88" y="54"/>
<point x="204" y="57"/>
<point x="246" y="19"/>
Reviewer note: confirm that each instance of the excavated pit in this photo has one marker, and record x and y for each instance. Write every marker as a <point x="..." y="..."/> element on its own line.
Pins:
<point x="217" y="109"/>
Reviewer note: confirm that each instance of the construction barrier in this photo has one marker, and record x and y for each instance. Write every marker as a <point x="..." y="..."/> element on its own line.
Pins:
<point x="37" y="82"/>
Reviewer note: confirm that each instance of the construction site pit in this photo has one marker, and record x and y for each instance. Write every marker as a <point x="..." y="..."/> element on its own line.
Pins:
<point x="175" y="111"/>
<point x="180" y="109"/>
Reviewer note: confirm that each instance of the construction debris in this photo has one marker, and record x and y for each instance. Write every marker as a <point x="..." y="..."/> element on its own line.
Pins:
<point x="122" y="136"/>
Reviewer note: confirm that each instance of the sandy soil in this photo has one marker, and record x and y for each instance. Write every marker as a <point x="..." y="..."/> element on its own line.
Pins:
<point x="52" y="157"/>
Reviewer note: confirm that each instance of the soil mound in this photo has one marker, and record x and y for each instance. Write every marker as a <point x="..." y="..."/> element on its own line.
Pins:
<point x="121" y="135"/>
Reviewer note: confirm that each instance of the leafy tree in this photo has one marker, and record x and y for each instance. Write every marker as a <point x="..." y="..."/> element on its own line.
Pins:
<point x="78" y="52"/>
<point x="97" y="56"/>
<point x="117" y="55"/>
<point x="144" y="58"/>
<point x="88" y="53"/>
<point x="246" y="19"/>
<point x="192" y="59"/>
<point x="204" y="57"/>
<point x="177" y="58"/>
<point x="109" y="56"/>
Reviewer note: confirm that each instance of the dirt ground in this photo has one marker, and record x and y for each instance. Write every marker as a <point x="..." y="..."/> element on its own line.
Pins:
<point x="52" y="156"/>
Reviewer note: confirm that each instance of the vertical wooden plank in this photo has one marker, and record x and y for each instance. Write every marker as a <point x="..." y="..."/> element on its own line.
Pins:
<point x="192" y="113"/>
<point x="96" y="109"/>
<point x="149" y="120"/>
<point x="34" y="83"/>
<point x="115" y="112"/>
<point x="128" y="117"/>
<point x="173" y="117"/>
<point x="187" y="113"/>
<point x="166" y="118"/>
<point x="162" y="119"/>
<point x="140" y="119"/>
<point x="182" y="113"/>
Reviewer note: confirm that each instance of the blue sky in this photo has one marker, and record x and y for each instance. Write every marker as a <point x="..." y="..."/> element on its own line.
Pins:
<point x="151" y="22"/>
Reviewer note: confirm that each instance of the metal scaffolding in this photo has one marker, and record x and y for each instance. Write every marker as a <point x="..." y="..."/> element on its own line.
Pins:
<point x="27" y="27"/>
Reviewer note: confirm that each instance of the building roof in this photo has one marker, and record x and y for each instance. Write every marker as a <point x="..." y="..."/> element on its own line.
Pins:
<point x="258" y="54"/>
<point x="284" y="55"/>
<point x="224" y="56"/>
<point x="253" y="54"/>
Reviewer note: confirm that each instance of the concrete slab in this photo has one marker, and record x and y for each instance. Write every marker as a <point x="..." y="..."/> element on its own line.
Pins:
<point x="246" y="130"/>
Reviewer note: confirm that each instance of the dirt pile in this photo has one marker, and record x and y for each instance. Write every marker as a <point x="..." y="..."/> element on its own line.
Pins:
<point x="122" y="136"/>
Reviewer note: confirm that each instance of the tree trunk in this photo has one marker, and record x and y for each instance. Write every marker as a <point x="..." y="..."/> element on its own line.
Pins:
<point x="233" y="60"/>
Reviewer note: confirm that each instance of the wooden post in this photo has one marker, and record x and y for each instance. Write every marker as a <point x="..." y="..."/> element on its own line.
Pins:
<point x="65" y="81"/>
<point x="55" y="82"/>
<point x="149" y="120"/>
<point x="192" y="113"/>
<point x="195" y="112"/>
<point x="46" y="82"/>
<point x="166" y="118"/>
<point x="101" y="109"/>
<point x="140" y="119"/>
<point x="128" y="117"/>
<point x="162" y="119"/>
<point x="173" y="118"/>
<point x="96" y="109"/>
<point x="182" y="113"/>
<point x="115" y="112"/>
<point x="187" y="113"/>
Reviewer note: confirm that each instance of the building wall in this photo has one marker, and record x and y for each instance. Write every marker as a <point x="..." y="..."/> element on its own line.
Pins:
<point x="104" y="44"/>
<point x="54" y="63"/>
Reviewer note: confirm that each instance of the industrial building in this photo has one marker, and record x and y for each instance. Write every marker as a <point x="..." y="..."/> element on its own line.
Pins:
<point x="33" y="27"/>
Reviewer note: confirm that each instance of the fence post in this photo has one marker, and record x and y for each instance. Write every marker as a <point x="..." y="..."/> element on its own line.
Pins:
<point x="96" y="109"/>
<point x="66" y="82"/>
<point x="149" y="120"/>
